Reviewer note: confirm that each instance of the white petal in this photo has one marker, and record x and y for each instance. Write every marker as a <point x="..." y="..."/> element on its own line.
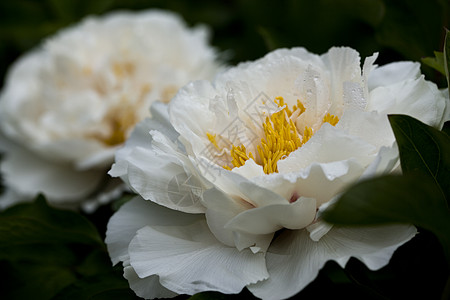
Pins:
<point x="318" y="229"/>
<point x="221" y="208"/>
<point x="385" y="161"/>
<point x="192" y="125"/>
<point x="393" y="73"/>
<point x="372" y="127"/>
<point x="112" y="189"/>
<point x="100" y="159"/>
<point x="344" y="66"/>
<point x="318" y="181"/>
<point x="329" y="144"/>
<point x="140" y="136"/>
<point x="189" y="260"/>
<point x="134" y="215"/>
<point x="255" y="242"/>
<point x="294" y="260"/>
<point x="377" y="260"/>
<point x="249" y="170"/>
<point x="29" y="175"/>
<point x="162" y="174"/>
<point x="77" y="151"/>
<point x="368" y="67"/>
<point x="270" y="218"/>
<point x="10" y="197"/>
<point x="373" y="245"/>
<point x="238" y="186"/>
<point x="148" y="287"/>
<point x="415" y="97"/>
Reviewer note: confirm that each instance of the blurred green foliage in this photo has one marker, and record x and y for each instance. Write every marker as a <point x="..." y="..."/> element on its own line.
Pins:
<point x="58" y="263"/>
<point x="49" y="253"/>
<point x="246" y="30"/>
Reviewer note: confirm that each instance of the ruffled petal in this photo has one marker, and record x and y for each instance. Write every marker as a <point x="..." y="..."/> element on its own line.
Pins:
<point x="344" y="67"/>
<point x="415" y="97"/>
<point x="393" y="73"/>
<point x="140" y="136"/>
<point x="310" y="182"/>
<point x="162" y="174"/>
<point x="221" y="208"/>
<point x="188" y="260"/>
<point x="270" y="218"/>
<point x="329" y="144"/>
<point x="294" y="260"/>
<point x="10" y="197"/>
<point x="371" y="127"/>
<point x="148" y="287"/>
<point x="132" y="216"/>
<point x="29" y="175"/>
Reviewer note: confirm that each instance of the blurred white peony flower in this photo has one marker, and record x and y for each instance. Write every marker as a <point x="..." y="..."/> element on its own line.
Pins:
<point x="238" y="172"/>
<point x="69" y="104"/>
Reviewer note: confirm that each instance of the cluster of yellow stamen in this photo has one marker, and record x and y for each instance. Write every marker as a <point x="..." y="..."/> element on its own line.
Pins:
<point x="280" y="138"/>
<point x="120" y="120"/>
<point x="212" y="139"/>
<point x="332" y="119"/>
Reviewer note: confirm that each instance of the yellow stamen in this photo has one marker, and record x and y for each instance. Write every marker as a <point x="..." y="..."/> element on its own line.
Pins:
<point x="119" y="121"/>
<point x="307" y="134"/>
<point x="212" y="139"/>
<point x="332" y="119"/>
<point x="123" y="69"/>
<point x="280" y="138"/>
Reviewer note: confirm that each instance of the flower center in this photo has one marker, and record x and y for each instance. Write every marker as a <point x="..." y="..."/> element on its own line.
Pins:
<point x="281" y="137"/>
<point x="119" y="119"/>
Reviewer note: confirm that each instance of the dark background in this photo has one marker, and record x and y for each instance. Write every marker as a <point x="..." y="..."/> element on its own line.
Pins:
<point x="246" y="30"/>
<point x="398" y="29"/>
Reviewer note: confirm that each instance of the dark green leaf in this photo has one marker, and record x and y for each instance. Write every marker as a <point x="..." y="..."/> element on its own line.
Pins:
<point x="436" y="62"/>
<point x="391" y="199"/>
<point x="36" y="222"/>
<point x="409" y="28"/>
<point x="34" y="280"/>
<point x="210" y="296"/>
<point x="108" y="286"/>
<point x="95" y="262"/>
<point x="269" y="38"/>
<point x="414" y="199"/>
<point x="446" y="128"/>
<point x="44" y="250"/>
<point x="423" y="149"/>
<point x="447" y="58"/>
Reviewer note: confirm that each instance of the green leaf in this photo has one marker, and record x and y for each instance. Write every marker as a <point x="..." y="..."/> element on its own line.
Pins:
<point x="108" y="286"/>
<point x="210" y="296"/>
<point x="411" y="27"/>
<point x="269" y="38"/>
<point x="423" y="149"/>
<point x="412" y="198"/>
<point x="447" y="58"/>
<point x="33" y="223"/>
<point x="34" y="280"/>
<point x="446" y="128"/>
<point x="95" y="261"/>
<point x="436" y="62"/>
<point x="45" y="250"/>
<point x="391" y="199"/>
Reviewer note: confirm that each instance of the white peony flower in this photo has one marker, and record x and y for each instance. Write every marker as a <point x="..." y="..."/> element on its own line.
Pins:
<point x="239" y="170"/>
<point x="68" y="105"/>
